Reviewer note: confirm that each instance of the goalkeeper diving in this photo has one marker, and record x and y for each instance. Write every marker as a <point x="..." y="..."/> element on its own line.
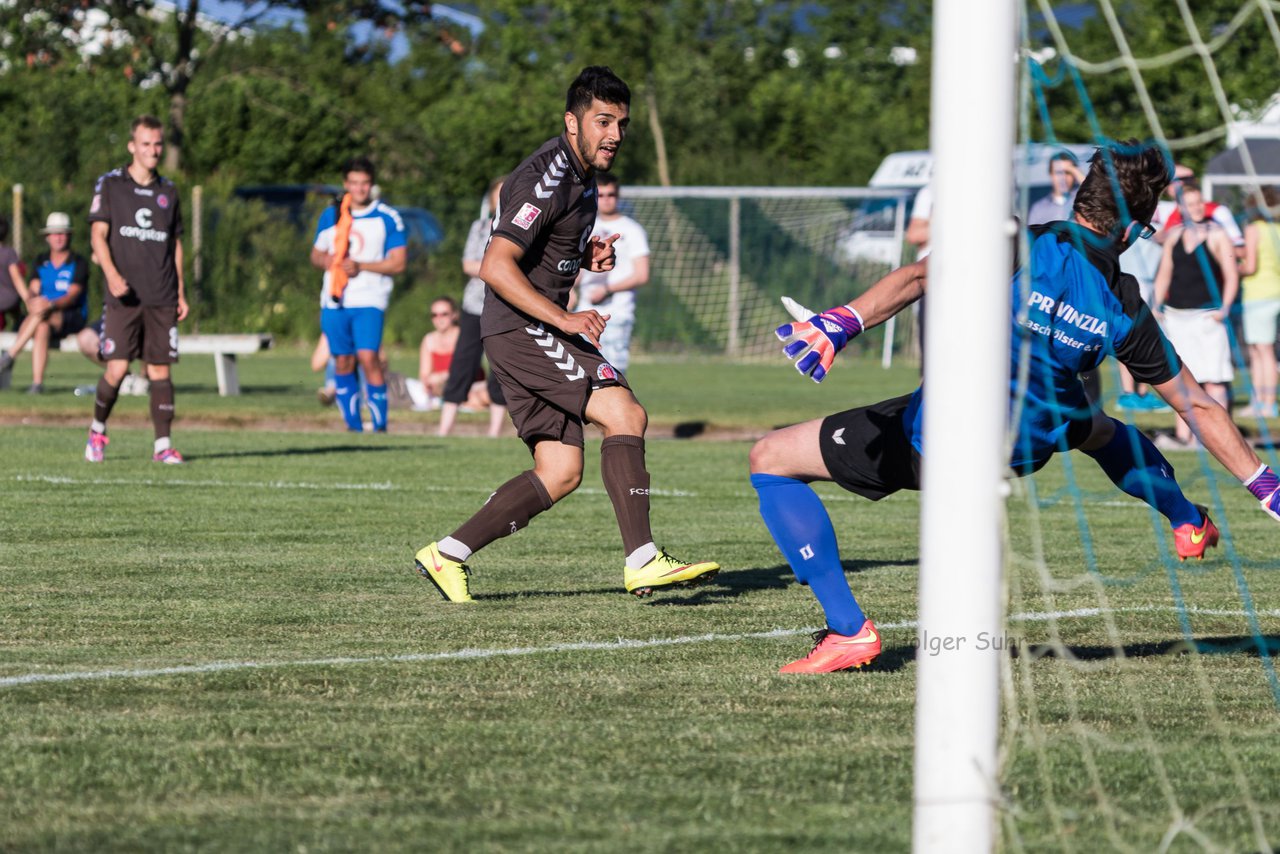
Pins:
<point x="1071" y="308"/>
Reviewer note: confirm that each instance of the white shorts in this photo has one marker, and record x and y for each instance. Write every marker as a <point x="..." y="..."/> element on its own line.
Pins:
<point x="1260" y="321"/>
<point x="1201" y="342"/>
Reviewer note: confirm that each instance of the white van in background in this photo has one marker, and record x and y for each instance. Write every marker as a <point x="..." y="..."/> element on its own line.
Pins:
<point x="872" y="236"/>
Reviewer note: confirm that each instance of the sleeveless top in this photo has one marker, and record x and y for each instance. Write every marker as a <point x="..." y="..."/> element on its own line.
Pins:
<point x="1197" y="278"/>
<point x="1265" y="283"/>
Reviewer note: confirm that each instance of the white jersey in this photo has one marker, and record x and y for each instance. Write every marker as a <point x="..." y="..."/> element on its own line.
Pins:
<point x="633" y="244"/>
<point x="375" y="231"/>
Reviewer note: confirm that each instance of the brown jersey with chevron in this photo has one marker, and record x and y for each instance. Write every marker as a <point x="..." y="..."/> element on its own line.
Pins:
<point x="547" y="208"/>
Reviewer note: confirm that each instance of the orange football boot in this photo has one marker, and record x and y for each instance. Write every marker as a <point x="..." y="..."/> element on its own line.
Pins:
<point x="833" y="651"/>
<point x="1194" y="540"/>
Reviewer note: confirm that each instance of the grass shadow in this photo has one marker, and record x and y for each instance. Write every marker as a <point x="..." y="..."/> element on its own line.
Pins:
<point x="548" y="594"/>
<point x="1246" y="644"/>
<point x="733" y="583"/>
<point x="300" y="452"/>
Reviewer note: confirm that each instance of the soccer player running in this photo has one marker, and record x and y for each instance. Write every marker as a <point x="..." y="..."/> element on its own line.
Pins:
<point x="136" y="233"/>
<point x="360" y="245"/>
<point x="548" y="359"/>
<point x="1071" y="307"/>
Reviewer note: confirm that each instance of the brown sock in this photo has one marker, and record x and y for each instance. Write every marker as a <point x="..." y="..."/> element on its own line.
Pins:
<point x="162" y="407"/>
<point x="507" y="511"/>
<point x="104" y="400"/>
<point x="627" y="482"/>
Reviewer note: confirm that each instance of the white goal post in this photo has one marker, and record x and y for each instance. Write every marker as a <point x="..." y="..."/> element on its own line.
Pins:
<point x="966" y="382"/>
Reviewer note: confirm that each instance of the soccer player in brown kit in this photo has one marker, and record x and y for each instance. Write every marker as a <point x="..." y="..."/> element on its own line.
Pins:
<point x="548" y="359"/>
<point x="136" y="230"/>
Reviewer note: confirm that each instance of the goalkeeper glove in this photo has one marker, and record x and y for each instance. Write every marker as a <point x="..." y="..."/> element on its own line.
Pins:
<point x="814" y="343"/>
<point x="1265" y="486"/>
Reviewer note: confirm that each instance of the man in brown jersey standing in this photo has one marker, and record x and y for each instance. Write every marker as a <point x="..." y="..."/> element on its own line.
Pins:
<point x="136" y="224"/>
<point x="548" y="359"/>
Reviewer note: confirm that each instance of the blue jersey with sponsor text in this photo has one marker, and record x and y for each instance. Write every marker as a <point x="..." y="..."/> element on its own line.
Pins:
<point x="1071" y="308"/>
<point x="56" y="280"/>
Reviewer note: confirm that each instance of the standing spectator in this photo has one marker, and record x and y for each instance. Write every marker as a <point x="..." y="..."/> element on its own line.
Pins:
<point x="1261" y="297"/>
<point x="1142" y="261"/>
<point x="547" y="357"/>
<point x="918" y="236"/>
<point x="13" y="290"/>
<point x="56" y="300"/>
<point x="1064" y="178"/>
<point x="360" y="245"/>
<point x="613" y="292"/>
<point x="136" y="231"/>
<point x="466" y="356"/>
<point x="1221" y="214"/>
<point x="1195" y="287"/>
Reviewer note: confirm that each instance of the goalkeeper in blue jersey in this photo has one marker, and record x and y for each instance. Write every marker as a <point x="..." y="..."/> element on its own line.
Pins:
<point x="1072" y="307"/>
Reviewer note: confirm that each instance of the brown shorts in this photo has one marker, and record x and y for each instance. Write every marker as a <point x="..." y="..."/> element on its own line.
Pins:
<point x="147" y="332"/>
<point x="548" y="378"/>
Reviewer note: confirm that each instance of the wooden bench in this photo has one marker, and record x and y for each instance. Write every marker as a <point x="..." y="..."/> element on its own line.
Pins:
<point x="223" y="348"/>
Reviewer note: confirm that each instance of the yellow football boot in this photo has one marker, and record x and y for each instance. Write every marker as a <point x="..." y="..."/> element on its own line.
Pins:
<point x="666" y="571"/>
<point x="449" y="576"/>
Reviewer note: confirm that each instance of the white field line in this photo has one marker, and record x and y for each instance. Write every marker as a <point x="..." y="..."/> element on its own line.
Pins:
<point x="619" y="644"/>
<point x="231" y="484"/>
<point x="384" y="486"/>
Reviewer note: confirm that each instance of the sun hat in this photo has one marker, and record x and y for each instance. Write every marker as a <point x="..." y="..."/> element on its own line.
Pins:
<point x="57" y="223"/>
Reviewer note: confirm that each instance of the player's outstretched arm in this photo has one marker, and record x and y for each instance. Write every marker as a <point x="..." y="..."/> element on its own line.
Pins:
<point x="814" y="343"/>
<point x="1213" y="424"/>
<point x="1222" y="438"/>
<point x="501" y="271"/>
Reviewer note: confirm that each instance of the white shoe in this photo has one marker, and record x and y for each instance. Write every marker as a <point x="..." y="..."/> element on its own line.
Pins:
<point x="1167" y="442"/>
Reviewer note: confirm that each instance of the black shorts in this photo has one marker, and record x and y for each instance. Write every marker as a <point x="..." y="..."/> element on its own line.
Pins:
<point x="146" y="332"/>
<point x="548" y="377"/>
<point x="867" y="449"/>
<point x="73" y="320"/>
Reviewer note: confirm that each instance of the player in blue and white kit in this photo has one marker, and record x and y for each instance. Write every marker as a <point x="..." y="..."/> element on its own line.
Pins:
<point x="1072" y="307"/>
<point x="353" y="321"/>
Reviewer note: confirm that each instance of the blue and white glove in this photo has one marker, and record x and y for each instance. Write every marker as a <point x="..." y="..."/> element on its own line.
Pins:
<point x="814" y="342"/>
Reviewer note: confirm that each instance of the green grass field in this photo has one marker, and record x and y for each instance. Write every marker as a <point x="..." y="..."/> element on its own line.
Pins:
<point x="251" y="664"/>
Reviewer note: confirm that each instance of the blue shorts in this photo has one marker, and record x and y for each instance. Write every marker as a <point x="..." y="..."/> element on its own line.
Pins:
<point x="352" y="329"/>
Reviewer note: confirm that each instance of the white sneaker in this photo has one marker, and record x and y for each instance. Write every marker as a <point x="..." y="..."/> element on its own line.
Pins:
<point x="1168" y="442"/>
<point x="135" y="385"/>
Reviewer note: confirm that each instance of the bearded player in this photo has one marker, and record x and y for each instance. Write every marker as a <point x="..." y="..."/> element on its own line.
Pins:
<point x="1071" y="308"/>
<point x="548" y="359"/>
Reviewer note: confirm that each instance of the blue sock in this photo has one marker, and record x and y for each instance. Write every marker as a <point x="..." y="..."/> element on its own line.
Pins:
<point x="347" y="389"/>
<point x="378" y="406"/>
<point x="1134" y="465"/>
<point x="800" y="526"/>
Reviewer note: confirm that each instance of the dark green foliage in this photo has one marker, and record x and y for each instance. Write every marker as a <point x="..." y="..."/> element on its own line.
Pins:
<point x="743" y="93"/>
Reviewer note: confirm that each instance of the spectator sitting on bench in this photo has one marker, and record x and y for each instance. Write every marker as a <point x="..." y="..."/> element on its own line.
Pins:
<point x="57" y="306"/>
<point x="435" y="356"/>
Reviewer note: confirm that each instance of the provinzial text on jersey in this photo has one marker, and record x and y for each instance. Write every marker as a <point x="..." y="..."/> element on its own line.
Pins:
<point x="1068" y="314"/>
